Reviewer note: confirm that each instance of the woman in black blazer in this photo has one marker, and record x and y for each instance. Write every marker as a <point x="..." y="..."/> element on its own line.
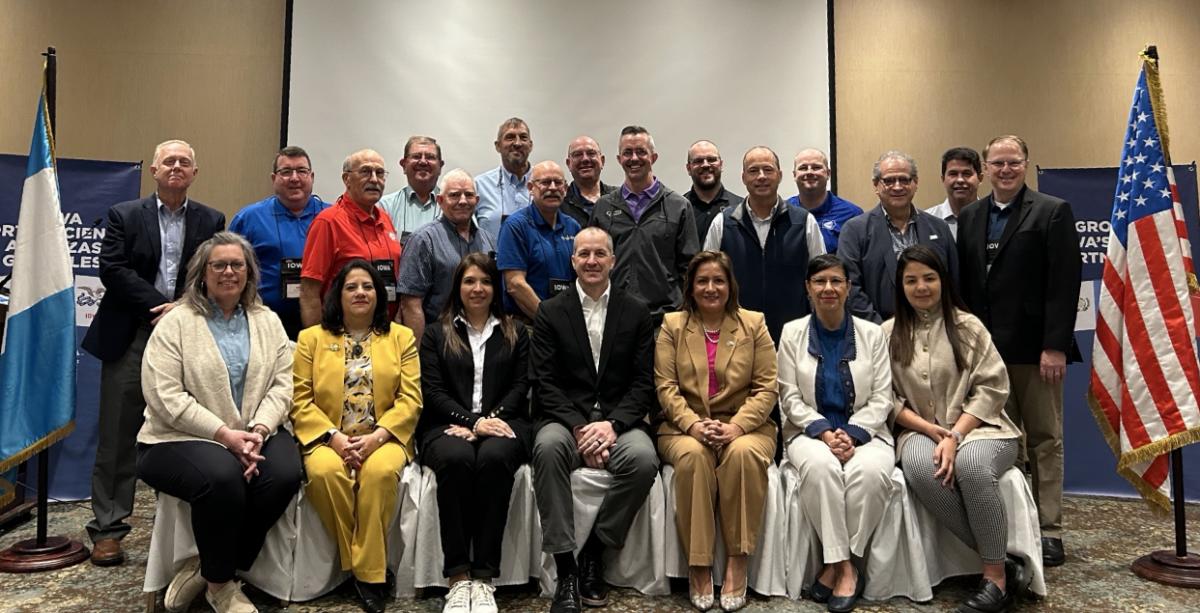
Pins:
<point x="474" y="431"/>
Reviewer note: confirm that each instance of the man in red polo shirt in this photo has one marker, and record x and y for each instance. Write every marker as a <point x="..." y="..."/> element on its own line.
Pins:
<point x="352" y="228"/>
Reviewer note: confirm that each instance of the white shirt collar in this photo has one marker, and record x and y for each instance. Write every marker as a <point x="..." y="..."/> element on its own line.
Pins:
<point x="584" y="297"/>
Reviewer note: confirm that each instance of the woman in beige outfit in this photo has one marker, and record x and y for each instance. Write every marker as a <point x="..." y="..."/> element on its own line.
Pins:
<point x="714" y="365"/>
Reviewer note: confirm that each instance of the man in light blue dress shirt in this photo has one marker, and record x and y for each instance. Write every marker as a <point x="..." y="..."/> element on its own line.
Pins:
<point x="416" y="205"/>
<point x="504" y="190"/>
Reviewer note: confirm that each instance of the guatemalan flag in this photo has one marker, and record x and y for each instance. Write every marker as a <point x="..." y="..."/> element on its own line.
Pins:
<point x="37" y="356"/>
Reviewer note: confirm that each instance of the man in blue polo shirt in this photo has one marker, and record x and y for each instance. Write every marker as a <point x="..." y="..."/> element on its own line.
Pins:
<point x="534" y="251"/>
<point x="277" y="227"/>
<point x="811" y="171"/>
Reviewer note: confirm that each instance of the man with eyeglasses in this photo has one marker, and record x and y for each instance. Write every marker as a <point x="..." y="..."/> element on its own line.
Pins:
<point x="534" y="251"/>
<point x="708" y="195"/>
<point x="354" y="227"/>
<point x="143" y="262"/>
<point x="504" y="190"/>
<point x="960" y="176"/>
<point x="415" y="205"/>
<point x="435" y="249"/>
<point x="277" y="227"/>
<point x="810" y="169"/>
<point x="871" y="243"/>
<point x="769" y="243"/>
<point x="1021" y="275"/>
<point x="652" y="226"/>
<point x="584" y="161"/>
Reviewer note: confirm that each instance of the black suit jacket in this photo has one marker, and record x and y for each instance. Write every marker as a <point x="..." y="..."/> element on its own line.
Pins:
<point x="568" y="386"/>
<point x="447" y="382"/>
<point x="1029" y="298"/>
<point x="129" y="258"/>
<point x="865" y="246"/>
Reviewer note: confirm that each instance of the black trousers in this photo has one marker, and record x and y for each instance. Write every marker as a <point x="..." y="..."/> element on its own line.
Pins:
<point x="475" y="482"/>
<point x="230" y="516"/>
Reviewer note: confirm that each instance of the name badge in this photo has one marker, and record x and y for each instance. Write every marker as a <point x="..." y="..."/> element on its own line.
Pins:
<point x="404" y="238"/>
<point x="289" y="278"/>
<point x="387" y="269"/>
<point x="558" y="285"/>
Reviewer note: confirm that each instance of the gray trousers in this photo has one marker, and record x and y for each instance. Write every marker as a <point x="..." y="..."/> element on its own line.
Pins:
<point x="973" y="510"/>
<point x="633" y="463"/>
<point x="122" y="408"/>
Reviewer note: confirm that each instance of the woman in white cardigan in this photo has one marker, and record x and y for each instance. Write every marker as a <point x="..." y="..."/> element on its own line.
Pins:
<point x="217" y="377"/>
<point x="835" y="394"/>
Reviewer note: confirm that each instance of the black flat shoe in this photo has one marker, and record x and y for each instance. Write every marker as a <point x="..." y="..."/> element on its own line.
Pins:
<point x="988" y="599"/>
<point x="1016" y="577"/>
<point x="1052" y="551"/>
<point x="845" y="604"/>
<point x="593" y="591"/>
<point x="371" y="596"/>
<point x="819" y="592"/>
<point x="566" y="596"/>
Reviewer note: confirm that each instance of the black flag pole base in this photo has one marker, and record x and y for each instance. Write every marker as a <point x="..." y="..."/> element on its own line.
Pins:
<point x="29" y="557"/>
<point x="1169" y="569"/>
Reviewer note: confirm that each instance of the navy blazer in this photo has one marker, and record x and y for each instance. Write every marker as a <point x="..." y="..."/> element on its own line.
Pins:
<point x="866" y="249"/>
<point x="568" y="387"/>
<point x="129" y="258"/>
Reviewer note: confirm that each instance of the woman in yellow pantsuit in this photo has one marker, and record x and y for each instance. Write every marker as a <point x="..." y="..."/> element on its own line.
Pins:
<point x="714" y="366"/>
<point x="357" y="399"/>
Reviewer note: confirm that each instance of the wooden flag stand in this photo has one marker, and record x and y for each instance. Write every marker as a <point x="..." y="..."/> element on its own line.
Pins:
<point x="1178" y="568"/>
<point x="44" y="553"/>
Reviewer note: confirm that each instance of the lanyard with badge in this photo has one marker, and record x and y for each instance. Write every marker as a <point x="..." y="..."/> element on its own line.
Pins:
<point x="385" y="268"/>
<point x="289" y="268"/>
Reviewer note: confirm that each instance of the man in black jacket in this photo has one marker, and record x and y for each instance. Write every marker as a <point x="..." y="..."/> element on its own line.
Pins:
<point x="143" y="262"/>
<point x="1021" y="270"/>
<point x="591" y="357"/>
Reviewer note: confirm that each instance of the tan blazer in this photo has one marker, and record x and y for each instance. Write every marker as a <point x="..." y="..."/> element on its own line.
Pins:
<point x="745" y="367"/>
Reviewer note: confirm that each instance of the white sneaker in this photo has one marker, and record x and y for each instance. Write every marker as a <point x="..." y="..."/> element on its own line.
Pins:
<point x="459" y="598"/>
<point x="185" y="587"/>
<point x="482" y="597"/>
<point x="230" y="599"/>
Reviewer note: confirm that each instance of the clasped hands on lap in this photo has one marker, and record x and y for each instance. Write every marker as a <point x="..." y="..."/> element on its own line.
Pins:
<point x="714" y="433"/>
<point x="840" y="444"/>
<point x="488" y="426"/>
<point x="354" y="450"/>
<point x="245" y="446"/>
<point x="593" y="441"/>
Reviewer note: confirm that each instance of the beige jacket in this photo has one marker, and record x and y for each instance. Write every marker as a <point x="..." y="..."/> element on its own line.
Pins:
<point x="933" y="387"/>
<point x="186" y="384"/>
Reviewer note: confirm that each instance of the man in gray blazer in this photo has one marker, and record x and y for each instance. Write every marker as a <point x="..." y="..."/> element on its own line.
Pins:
<point x="870" y="243"/>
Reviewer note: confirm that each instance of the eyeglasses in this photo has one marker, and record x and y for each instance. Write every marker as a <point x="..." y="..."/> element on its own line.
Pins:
<point x="834" y="282"/>
<point x="288" y="172"/>
<point x="550" y="182"/>
<point x="367" y="173"/>
<point x="891" y="181"/>
<point x="711" y="159"/>
<point x="221" y="265"/>
<point x="1002" y="164"/>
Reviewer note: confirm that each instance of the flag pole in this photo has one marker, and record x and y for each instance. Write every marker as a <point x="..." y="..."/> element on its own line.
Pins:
<point x="1177" y="568"/>
<point x="44" y="552"/>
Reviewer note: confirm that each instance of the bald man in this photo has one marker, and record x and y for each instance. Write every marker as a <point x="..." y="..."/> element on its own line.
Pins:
<point x="708" y="195"/>
<point x="810" y="169"/>
<point x="585" y="161"/>
<point x="354" y="227"/>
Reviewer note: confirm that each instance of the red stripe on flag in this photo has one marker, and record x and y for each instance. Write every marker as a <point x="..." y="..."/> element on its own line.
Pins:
<point x="1147" y="362"/>
<point x="1156" y="473"/>
<point x="1107" y="406"/>
<point x="1131" y="422"/>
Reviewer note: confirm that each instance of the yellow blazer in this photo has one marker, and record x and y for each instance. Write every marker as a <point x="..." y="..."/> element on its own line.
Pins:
<point x="746" y="373"/>
<point x="319" y="373"/>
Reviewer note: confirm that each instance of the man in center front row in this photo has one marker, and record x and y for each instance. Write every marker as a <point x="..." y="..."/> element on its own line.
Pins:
<point x="591" y="360"/>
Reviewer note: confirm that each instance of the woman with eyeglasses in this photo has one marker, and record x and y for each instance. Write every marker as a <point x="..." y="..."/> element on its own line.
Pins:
<point x="217" y="369"/>
<point x="835" y="392"/>
<point x="955" y="439"/>
<point x="475" y="431"/>
<point x="357" y="400"/>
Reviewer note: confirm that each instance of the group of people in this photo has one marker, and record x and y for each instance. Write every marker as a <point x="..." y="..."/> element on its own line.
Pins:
<point x="479" y="324"/>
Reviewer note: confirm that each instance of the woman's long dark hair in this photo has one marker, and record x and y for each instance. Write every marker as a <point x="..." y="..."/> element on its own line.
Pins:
<point x="901" y="344"/>
<point x="332" y="316"/>
<point x="454" y="344"/>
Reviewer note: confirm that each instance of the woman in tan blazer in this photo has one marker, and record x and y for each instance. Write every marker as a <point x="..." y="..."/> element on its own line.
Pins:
<point x="714" y="366"/>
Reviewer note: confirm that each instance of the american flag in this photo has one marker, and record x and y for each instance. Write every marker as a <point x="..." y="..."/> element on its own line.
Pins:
<point x="1145" y="377"/>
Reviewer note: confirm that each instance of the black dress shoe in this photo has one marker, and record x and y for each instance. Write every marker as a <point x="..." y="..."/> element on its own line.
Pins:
<point x="1052" y="551"/>
<point x="988" y="599"/>
<point x="1016" y="577"/>
<point x="593" y="591"/>
<point x="566" y="595"/>
<point x="819" y="592"/>
<point x="845" y="604"/>
<point x="371" y="596"/>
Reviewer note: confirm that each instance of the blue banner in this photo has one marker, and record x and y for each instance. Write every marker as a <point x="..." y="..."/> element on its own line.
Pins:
<point x="1090" y="466"/>
<point x="88" y="188"/>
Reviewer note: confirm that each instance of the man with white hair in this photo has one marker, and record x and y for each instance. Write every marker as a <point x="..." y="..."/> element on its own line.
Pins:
<point x="811" y="170"/>
<point x="435" y="249"/>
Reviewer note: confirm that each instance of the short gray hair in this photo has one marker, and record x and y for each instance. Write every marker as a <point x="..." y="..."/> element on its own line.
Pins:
<point x="893" y="154"/>
<point x="597" y="230"/>
<point x="163" y="145"/>
<point x="195" y="294"/>
<point x="457" y="172"/>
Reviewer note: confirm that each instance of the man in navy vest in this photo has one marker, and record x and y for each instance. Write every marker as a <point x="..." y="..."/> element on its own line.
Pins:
<point x="769" y="243"/>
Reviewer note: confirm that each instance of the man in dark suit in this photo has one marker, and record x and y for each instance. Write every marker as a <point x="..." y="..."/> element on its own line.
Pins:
<point x="143" y="262"/>
<point x="592" y="359"/>
<point x="870" y="243"/>
<point x="1021" y="272"/>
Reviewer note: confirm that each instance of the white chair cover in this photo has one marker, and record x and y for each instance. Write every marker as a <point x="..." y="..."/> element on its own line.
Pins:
<point x="641" y="563"/>
<point x="767" y="565"/>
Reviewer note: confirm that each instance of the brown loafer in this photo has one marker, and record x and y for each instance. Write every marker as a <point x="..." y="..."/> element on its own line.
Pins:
<point x="107" y="552"/>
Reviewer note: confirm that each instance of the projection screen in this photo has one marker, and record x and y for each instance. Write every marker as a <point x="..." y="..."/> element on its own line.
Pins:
<point x="371" y="73"/>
